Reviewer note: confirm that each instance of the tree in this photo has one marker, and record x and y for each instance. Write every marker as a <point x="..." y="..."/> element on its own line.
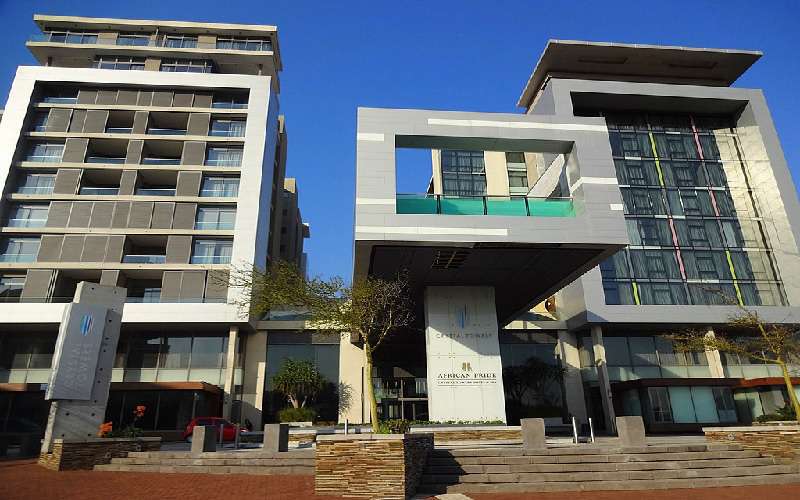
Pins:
<point x="299" y="380"/>
<point x="371" y="309"/>
<point x="767" y="342"/>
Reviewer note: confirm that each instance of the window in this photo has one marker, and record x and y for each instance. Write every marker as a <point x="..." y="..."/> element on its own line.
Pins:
<point x="37" y="184"/>
<point x="180" y="41"/>
<point x="28" y="215"/>
<point x="133" y="39"/>
<point x="463" y="173"/>
<point x="726" y="408"/>
<point x="44" y="152"/>
<point x="659" y="403"/>
<point x="229" y="101"/>
<point x="118" y="62"/>
<point x="224" y="187"/>
<point x="238" y="43"/>
<point x="648" y="232"/>
<point x="227" y="128"/>
<point x="224" y="157"/>
<point x="697" y="233"/>
<point x="186" y="66"/>
<point x="70" y="37"/>
<point x="19" y="249"/>
<point x="517" y="182"/>
<point x="60" y="95"/>
<point x="39" y="121"/>
<point x="215" y="218"/>
<point x="11" y="287"/>
<point x="706" y="267"/>
<point x="212" y="251"/>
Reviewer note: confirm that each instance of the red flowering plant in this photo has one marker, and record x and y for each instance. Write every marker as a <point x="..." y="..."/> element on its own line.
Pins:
<point x="131" y="431"/>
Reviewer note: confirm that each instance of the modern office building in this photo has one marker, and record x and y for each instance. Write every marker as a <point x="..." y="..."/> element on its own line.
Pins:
<point x="148" y="155"/>
<point x="639" y="194"/>
<point x="293" y="230"/>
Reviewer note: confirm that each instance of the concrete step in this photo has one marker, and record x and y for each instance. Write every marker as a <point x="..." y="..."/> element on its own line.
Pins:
<point x="597" y="467"/>
<point x="539" y="477"/>
<point x="204" y="469"/>
<point x="275" y="462"/>
<point x="582" y="450"/>
<point x="633" y="484"/>
<point x="506" y="459"/>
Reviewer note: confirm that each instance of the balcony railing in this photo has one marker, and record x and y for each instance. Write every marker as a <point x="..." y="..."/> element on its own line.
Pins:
<point x="235" y="162"/>
<point x="17" y="257"/>
<point x="250" y="46"/>
<point x="119" y="130"/>
<point x="144" y="259"/>
<point x="105" y="159"/>
<point x="60" y="100"/>
<point x="43" y="158"/>
<point x="211" y="259"/>
<point x="219" y="193"/>
<point x="99" y="191"/>
<point x="155" y="192"/>
<point x="227" y="133"/>
<point x="213" y="225"/>
<point x="229" y="105"/>
<point x="484" y="205"/>
<point x="35" y="189"/>
<point x="26" y="222"/>
<point x="161" y="161"/>
<point x="166" y="131"/>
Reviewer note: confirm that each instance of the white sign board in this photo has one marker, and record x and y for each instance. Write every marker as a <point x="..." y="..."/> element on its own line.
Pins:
<point x="465" y="374"/>
<point x="76" y="353"/>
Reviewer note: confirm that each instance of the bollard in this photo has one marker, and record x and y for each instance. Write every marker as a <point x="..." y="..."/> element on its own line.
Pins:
<point x="203" y="439"/>
<point x="591" y="429"/>
<point x="533" y="435"/>
<point x="345" y="426"/>
<point x="630" y="431"/>
<point x="276" y="437"/>
<point x="237" y="428"/>
<point x="221" y="435"/>
<point x="574" y="431"/>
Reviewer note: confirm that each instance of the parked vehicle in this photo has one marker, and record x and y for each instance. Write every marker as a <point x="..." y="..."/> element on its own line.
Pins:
<point x="228" y="429"/>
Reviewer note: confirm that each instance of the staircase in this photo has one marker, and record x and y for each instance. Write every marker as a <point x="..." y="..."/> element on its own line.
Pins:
<point x="300" y="462"/>
<point x="588" y="468"/>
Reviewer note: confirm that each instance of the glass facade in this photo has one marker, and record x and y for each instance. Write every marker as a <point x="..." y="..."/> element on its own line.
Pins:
<point x="696" y="235"/>
<point x="463" y="173"/>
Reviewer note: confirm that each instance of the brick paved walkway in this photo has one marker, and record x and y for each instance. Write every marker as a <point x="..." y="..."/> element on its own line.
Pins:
<point x="24" y="480"/>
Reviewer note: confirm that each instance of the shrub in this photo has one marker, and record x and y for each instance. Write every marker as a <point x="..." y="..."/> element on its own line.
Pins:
<point x="395" y="426"/>
<point x="783" y="414"/>
<point x="290" y="414"/>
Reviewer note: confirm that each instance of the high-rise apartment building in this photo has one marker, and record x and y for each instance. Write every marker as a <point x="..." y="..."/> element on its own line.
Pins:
<point x="642" y="159"/>
<point x="148" y="155"/>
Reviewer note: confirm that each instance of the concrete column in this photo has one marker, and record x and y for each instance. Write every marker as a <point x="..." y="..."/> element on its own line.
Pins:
<point x="714" y="359"/>
<point x="253" y="383"/>
<point x="230" y="367"/>
<point x="351" y="381"/>
<point x="630" y="431"/>
<point x="602" y="377"/>
<point x="573" y="383"/>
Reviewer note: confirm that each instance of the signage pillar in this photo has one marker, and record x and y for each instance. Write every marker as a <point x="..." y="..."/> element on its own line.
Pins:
<point x="82" y="363"/>
<point x="465" y="374"/>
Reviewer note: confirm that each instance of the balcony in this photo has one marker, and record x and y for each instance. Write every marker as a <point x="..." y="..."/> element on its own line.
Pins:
<point x="129" y="41"/>
<point x="161" y="161"/>
<point x="166" y="131"/>
<point x="211" y="259"/>
<point x="119" y="130"/>
<point x="144" y="259"/>
<point x="155" y="192"/>
<point x="26" y="222"/>
<point x="44" y="158"/>
<point x="99" y="191"/>
<point x="35" y="189"/>
<point x="105" y="159"/>
<point x="214" y="225"/>
<point x="60" y="100"/>
<point x="515" y="206"/>
<point x="18" y="257"/>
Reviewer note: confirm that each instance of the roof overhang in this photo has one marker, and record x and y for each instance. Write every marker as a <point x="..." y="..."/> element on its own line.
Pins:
<point x="636" y="63"/>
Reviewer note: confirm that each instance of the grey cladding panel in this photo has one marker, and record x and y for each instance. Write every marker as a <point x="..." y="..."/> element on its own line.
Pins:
<point x="202" y="100"/>
<point x="72" y="248"/>
<point x="134" y="153"/>
<point x="179" y="249"/>
<point x="198" y="124"/>
<point x="107" y="97"/>
<point x="183" y="99"/>
<point x="140" y="122"/>
<point x="188" y="183"/>
<point x="38" y="283"/>
<point x="67" y="181"/>
<point x="50" y="248"/>
<point x="193" y="284"/>
<point x="58" y="120"/>
<point x="162" y="215"/>
<point x="95" y="121"/>
<point x="78" y="119"/>
<point x="194" y="153"/>
<point x="171" y="285"/>
<point x="127" y="182"/>
<point x="94" y="248"/>
<point x="121" y="212"/>
<point x="58" y="215"/>
<point x="116" y="245"/>
<point x="161" y="98"/>
<point x="75" y="150"/>
<point x="184" y="216"/>
<point x="217" y="285"/>
<point x="127" y="97"/>
<point x="87" y="96"/>
<point x="145" y="98"/>
<point x="80" y="214"/>
<point x="141" y="214"/>
<point x="101" y="214"/>
<point x="111" y="277"/>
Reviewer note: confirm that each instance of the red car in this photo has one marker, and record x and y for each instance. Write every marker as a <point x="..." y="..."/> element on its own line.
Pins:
<point x="228" y="431"/>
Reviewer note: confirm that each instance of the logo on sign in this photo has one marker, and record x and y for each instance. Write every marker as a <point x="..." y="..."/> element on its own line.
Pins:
<point x="86" y="324"/>
<point x="462" y="317"/>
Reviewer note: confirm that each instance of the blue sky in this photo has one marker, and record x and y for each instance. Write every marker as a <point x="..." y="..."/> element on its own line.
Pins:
<point x="459" y="55"/>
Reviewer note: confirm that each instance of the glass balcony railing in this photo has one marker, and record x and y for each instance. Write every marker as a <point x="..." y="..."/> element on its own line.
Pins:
<point x="17" y="257"/>
<point x="62" y="37"/>
<point x="211" y="259"/>
<point x="60" y="100"/>
<point x="214" y="226"/>
<point x="144" y="259"/>
<point x="35" y="190"/>
<point x="161" y="161"/>
<point x="140" y="41"/>
<point x="43" y="158"/>
<point x="26" y="222"/>
<point x="119" y="130"/>
<point x="219" y="193"/>
<point x="484" y="205"/>
<point x="229" y="105"/>
<point x="166" y="131"/>
<point x="155" y="192"/>
<point x="105" y="159"/>
<point x="99" y="191"/>
<point x="232" y="162"/>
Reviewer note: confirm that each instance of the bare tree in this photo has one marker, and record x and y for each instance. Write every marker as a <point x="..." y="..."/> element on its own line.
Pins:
<point x="371" y="308"/>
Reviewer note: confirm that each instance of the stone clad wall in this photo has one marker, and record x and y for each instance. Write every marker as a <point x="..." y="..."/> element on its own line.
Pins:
<point x="782" y="441"/>
<point x="75" y="455"/>
<point x="477" y="435"/>
<point x="386" y="466"/>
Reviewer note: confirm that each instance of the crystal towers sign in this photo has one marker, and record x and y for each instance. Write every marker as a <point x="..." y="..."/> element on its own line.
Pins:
<point x="465" y="380"/>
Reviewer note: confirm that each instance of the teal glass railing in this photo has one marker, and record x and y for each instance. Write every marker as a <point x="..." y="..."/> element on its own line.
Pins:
<point x="521" y="206"/>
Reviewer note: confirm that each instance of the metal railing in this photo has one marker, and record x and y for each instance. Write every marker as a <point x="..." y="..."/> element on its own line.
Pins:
<point x="155" y="192"/>
<point x="92" y="39"/>
<point x="99" y="191"/>
<point x="484" y="205"/>
<point x="144" y="259"/>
